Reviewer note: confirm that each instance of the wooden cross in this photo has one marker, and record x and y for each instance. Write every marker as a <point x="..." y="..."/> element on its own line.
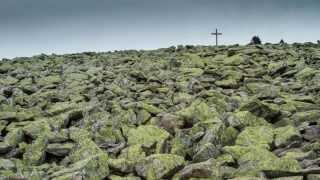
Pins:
<point x="216" y="34"/>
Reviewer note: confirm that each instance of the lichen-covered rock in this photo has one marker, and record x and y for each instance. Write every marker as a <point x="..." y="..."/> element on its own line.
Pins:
<point x="60" y="149"/>
<point x="242" y="119"/>
<point x="16" y="116"/>
<point x="35" y="152"/>
<point x="37" y="128"/>
<point x="285" y="135"/>
<point x="149" y="108"/>
<point x="277" y="68"/>
<point x="313" y="177"/>
<point x="60" y="107"/>
<point x="306" y="74"/>
<point x="262" y="109"/>
<point x="90" y="167"/>
<point x="88" y="160"/>
<point x="14" y="137"/>
<point x="133" y="153"/>
<point x="186" y="112"/>
<point x="148" y="136"/>
<point x="115" y="177"/>
<point x="159" y="166"/>
<point x="306" y="116"/>
<point x="206" y="152"/>
<point x="227" y="83"/>
<point x="49" y="80"/>
<point x="254" y="166"/>
<point x="6" y="164"/>
<point x="197" y="111"/>
<point x="261" y="136"/>
<point x="107" y="135"/>
<point x="264" y="91"/>
<point x="126" y="161"/>
<point x="213" y="169"/>
<point x="198" y="170"/>
<point x="181" y="144"/>
<point x="121" y="165"/>
<point x="253" y="160"/>
<point x="8" y="80"/>
<point x="235" y="60"/>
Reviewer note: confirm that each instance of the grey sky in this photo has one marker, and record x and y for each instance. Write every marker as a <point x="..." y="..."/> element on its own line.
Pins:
<point x="29" y="27"/>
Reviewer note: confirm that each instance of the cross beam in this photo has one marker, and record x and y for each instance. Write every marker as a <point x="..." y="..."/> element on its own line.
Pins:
<point x="216" y="34"/>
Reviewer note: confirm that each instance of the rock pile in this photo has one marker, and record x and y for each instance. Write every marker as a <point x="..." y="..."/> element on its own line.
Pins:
<point x="186" y="112"/>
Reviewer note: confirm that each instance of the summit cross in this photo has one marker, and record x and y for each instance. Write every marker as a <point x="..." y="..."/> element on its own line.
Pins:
<point x="216" y="34"/>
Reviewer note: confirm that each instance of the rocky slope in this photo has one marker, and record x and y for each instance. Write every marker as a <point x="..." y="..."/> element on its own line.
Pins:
<point x="189" y="112"/>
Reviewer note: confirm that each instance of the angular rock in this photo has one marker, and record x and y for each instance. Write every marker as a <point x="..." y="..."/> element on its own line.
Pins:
<point x="261" y="109"/>
<point x="60" y="150"/>
<point x="206" y="152"/>
<point x="306" y="74"/>
<point x="261" y="136"/>
<point x="91" y="167"/>
<point x="285" y="135"/>
<point x="148" y="136"/>
<point x="159" y="166"/>
<point x="35" y="153"/>
<point x="242" y="119"/>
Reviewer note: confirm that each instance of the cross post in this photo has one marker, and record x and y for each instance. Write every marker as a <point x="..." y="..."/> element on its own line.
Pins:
<point x="216" y="34"/>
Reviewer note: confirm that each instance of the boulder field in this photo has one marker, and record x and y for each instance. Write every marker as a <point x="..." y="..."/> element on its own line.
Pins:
<point x="187" y="112"/>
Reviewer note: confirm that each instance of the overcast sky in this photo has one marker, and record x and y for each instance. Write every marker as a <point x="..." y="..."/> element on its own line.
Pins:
<point x="29" y="27"/>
